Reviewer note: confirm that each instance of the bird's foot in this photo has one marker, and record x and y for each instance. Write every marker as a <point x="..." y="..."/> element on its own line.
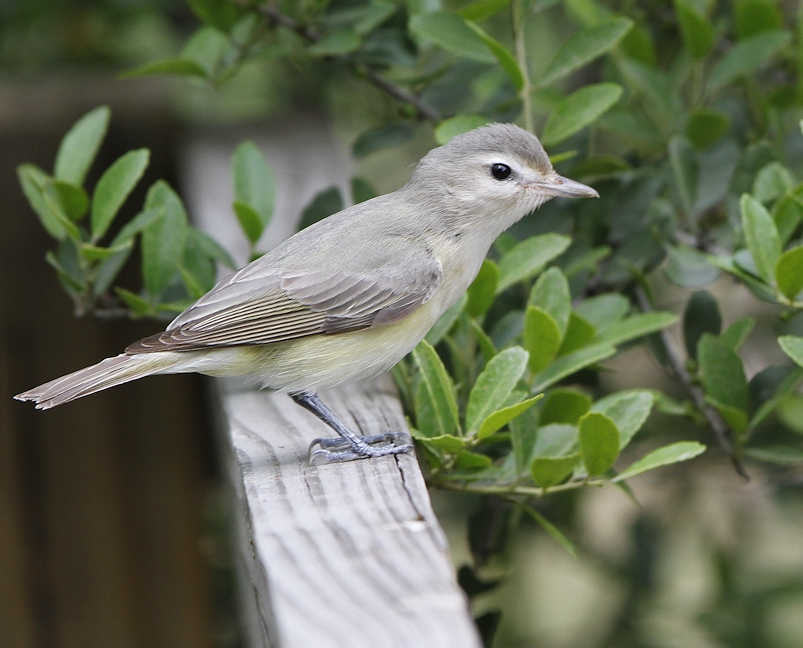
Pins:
<point x="363" y="447"/>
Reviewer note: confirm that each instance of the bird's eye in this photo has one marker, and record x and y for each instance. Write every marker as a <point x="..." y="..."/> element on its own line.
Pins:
<point x="500" y="171"/>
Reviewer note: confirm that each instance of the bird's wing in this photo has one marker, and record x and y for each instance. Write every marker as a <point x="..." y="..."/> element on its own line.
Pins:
<point x="264" y="303"/>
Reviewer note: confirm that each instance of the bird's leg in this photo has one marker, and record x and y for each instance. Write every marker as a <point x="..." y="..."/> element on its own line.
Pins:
<point x="350" y="446"/>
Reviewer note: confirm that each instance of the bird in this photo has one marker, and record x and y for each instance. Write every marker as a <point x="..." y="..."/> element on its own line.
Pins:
<point x="349" y="296"/>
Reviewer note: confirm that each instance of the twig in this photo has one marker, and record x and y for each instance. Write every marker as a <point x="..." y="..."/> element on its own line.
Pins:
<point x="678" y="365"/>
<point x="509" y="490"/>
<point x="312" y="35"/>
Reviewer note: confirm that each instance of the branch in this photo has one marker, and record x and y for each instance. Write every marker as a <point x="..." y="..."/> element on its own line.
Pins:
<point x="312" y="35"/>
<point x="678" y="365"/>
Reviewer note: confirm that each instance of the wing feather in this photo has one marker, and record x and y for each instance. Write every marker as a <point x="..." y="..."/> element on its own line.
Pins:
<point x="266" y="303"/>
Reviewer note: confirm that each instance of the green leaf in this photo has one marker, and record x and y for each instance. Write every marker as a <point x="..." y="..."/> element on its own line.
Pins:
<point x="550" y="528"/>
<point x="70" y="277"/>
<point x="502" y="417"/>
<point x="746" y="56"/>
<point x="761" y="237"/>
<point x="32" y="180"/>
<point x="176" y="66"/>
<point x="325" y="203"/>
<point x="793" y="347"/>
<point x="689" y="268"/>
<point x="163" y="239"/>
<point x="220" y="14"/>
<point x="735" y="335"/>
<point x="551" y="294"/>
<point x="628" y="410"/>
<point x="523" y="436"/>
<point x="108" y="270"/>
<point x="96" y="253"/>
<point x="583" y="47"/>
<point x="578" y="110"/>
<point x="790" y="412"/>
<point x="599" y="442"/>
<point x="579" y="333"/>
<point x="447" y="442"/>
<point x="603" y="310"/>
<point x="254" y="183"/>
<point x="211" y="248"/>
<point x="381" y="137"/>
<point x="541" y="338"/>
<point x="636" y="326"/>
<point x="529" y="257"/>
<point x="482" y="290"/>
<point x="436" y="407"/>
<point x="551" y="471"/>
<point x="481" y="9"/>
<point x="484" y="341"/>
<point x="361" y="190"/>
<point x="494" y="385"/>
<point x="472" y="460"/>
<point x="670" y="454"/>
<point x="701" y="316"/>
<point x="72" y="198"/>
<point x="696" y="29"/>
<point x="772" y="182"/>
<point x="136" y="225"/>
<point x="336" y="43"/>
<point x="136" y="303"/>
<point x="80" y="146"/>
<point x="206" y="48"/>
<point x="114" y="187"/>
<point x="505" y="58"/>
<point x="565" y="366"/>
<point x="771" y="387"/>
<point x="722" y="373"/>
<point x="789" y="272"/>
<point x="686" y="170"/>
<point x="456" y="125"/>
<point x="446" y="321"/>
<point x="705" y="126"/>
<point x="777" y="454"/>
<point x="564" y="406"/>
<point x="451" y="33"/>
<point x="787" y="214"/>
<point x="249" y="220"/>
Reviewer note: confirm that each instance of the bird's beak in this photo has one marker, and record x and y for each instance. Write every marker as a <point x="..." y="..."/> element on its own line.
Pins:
<point x="561" y="187"/>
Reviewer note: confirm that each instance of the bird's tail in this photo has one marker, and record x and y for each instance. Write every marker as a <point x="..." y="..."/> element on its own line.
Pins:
<point x="107" y="373"/>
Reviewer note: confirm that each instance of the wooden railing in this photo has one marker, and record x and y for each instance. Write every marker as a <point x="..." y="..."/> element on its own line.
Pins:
<point x="333" y="555"/>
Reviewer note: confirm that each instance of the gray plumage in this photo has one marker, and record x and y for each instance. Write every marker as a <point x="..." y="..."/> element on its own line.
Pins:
<point x="351" y="295"/>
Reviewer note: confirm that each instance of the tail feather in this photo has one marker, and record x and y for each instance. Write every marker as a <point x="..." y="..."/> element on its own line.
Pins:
<point x="107" y="373"/>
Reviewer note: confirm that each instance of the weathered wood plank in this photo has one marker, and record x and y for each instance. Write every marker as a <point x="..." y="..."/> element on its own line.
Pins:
<point x="344" y="554"/>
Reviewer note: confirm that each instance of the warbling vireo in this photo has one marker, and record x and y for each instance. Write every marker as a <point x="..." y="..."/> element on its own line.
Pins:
<point x="350" y="296"/>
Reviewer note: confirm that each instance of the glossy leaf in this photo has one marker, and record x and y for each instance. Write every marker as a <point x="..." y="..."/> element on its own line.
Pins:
<point x="80" y="145"/>
<point x="761" y="237"/>
<point x="529" y="257"/>
<point x="494" y="385"/>
<point x="696" y="29"/>
<point x="551" y="294"/>
<point x="701" y="316"/>
<point x="163" y="239"/>
<point x="436" y="407"/>
<point x="565" y="366"/>
<point x="564" y="406"/>
<point x="505" y="58"/>
<point x="501" y="417"/>
<point x="451" y="33"/>
<point x="793" y="347"/>
<point x="583" y="47"/>
<point x="747" y="56"/>
<point x="541" y="338"/>
<point x="599" y="442"/>
<point x="636" y="326"/>
<point x="628" y="410"/>
<point x="689" y="268"/>
<point x="670" y="454"/>
<point x="789" y="272"/>
<point x="482" y="290"/>
<point x="551" y="471"/>
<point x="578" y="110"/>
<point x="114" y="186"/>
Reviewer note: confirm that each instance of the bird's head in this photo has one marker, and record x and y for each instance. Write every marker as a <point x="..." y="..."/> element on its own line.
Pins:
<point x="494" y="173"/>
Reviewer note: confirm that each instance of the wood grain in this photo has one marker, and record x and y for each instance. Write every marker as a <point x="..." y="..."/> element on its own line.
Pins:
<point x="347" y="554"/>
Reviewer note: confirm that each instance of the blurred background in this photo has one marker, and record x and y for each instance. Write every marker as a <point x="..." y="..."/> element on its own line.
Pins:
<point x="113" y="520"/>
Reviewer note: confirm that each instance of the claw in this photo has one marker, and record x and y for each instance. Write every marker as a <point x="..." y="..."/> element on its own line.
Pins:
<point x="337" y="450"/>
